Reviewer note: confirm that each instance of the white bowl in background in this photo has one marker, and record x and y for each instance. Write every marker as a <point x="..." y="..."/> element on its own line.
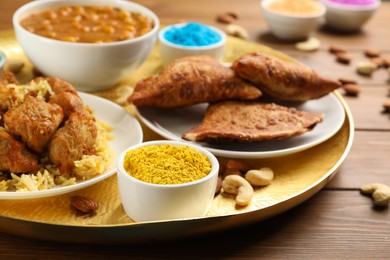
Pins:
<point x="171" y="51"/>
<point x="143" y="201"/>
<point x="348" y="17"/>
<point x="292" y="26"/>
<point x="88" y="66"/>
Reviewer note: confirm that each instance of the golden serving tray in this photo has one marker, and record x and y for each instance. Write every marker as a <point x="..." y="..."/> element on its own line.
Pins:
<point x="297" y="177"/>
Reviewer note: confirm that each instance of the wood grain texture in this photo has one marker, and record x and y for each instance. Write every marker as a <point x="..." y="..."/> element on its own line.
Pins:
<point x="338" y="222"/>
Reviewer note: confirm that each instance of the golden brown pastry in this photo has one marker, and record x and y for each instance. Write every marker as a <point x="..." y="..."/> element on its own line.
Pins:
<point x="191" y="80"/>
<point x="281" y="79"/>
<point x="251" y="121"/>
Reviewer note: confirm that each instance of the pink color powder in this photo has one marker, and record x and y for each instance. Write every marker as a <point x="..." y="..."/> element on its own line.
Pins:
<point x="353" y="2"/>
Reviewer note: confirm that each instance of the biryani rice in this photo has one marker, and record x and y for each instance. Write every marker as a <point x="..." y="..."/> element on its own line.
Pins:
<point x="85" y="168"/>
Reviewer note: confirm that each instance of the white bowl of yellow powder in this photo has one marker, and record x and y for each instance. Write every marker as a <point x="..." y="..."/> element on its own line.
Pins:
<point x="164" y="180"/>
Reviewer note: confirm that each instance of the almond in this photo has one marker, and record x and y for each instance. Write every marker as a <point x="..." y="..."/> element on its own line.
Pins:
<point x="351" y="89"/>
<point x="84" y="204"/>
<point x="225" y="18"/>
<point x="345" y="80"/>
<point x="371" y="53"/>
<point x="343" y="58"/>
<point x="336" y="49"/>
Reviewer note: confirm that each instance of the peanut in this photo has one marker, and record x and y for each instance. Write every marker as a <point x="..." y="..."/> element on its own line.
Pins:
<point x="366" y="68"/>
<point x="234" y="184"/>
<point x="261" y="177"/>
<point x="312" y="44"/>
<point x="237" y="31"/>
<point x="380" y="193"/>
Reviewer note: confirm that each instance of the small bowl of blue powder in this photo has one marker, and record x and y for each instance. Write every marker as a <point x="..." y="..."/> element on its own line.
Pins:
<point x="191" y="39"/>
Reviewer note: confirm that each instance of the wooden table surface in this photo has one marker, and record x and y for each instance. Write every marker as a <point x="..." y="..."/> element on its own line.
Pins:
<point x="338" y="222"/>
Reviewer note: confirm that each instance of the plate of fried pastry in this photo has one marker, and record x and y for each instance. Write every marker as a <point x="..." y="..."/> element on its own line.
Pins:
<point x="55" y="140"/>
<point x="259" y="106"/>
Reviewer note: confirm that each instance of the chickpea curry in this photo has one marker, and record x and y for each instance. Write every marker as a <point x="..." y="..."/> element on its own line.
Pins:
<point x="88" y="24"/>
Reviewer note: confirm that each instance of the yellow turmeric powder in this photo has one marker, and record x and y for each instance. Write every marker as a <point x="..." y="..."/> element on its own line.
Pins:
<point x="296" y="7"/>
<point x="166" y="164"/>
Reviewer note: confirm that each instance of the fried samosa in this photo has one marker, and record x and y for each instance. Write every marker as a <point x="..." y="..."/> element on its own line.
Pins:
<point x="242" y="121"/>
<point x="283" y="80"/>
<point x="192" y="80"/>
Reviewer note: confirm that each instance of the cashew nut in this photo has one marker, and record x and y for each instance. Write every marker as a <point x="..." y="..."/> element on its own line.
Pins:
<point x="380" y="193"/>
<point x="366" y="68"/>
<point x="237" y="31"/>
<point x="260" y="177"/>
<point x="235" y="184"/>
<point x="312" y="44"/>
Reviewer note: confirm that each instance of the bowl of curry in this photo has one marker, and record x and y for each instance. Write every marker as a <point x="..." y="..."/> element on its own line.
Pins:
<point x="93" y="44"/>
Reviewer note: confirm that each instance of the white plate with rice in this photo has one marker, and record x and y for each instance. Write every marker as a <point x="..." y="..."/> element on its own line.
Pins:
<point x="126" y="131"/>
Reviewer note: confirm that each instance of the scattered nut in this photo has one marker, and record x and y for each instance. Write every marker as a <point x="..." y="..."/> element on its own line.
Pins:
<point x="233" y="14"/>
<point x="380" y="193"/>
<point x="14" y="65"/>
<point x="231" y="171"/>
<point x="378" y="61"/>
<point x="225" y="18"/>
<point x="312" y="44"/>
<point x="236" y="164"/>
<point x="386" y="62"/>
<point x="343" y="57"/>
<point x="261" y="177"/>
<point x="235" y="184"/>
<point x="371" y="53"/>
<point x="237" y="31"/>
<point x="84" y="204"/>
<point x="366" y="68"/>
<point x="386" y="106"/>
<point x="350" y="89"/>
<point x="336" y="49"/>
<point x="345" y="80"/>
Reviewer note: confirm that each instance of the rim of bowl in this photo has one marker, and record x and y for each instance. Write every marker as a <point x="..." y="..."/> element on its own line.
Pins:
<point x="213" y="160"/>
<point x="214" y="45"/>
<point x="351" y="7"/>
<point x="46" y="4"/>
<point x="264" y="5"/>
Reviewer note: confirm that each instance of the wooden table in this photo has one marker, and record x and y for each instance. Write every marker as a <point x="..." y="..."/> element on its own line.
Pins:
<point x="338" y="222"/>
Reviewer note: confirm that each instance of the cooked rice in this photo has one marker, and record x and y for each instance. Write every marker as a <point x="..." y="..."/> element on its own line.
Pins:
<point x="86" y="168"/>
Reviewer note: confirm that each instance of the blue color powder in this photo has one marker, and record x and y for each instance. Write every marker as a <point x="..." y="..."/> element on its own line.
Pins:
<point x="192" y="34"/>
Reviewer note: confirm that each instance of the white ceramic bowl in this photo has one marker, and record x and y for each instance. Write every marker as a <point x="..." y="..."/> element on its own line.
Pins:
<point x="143" y="201"/>
<point x="290" y="26"/>
<point x="348" y="17"/>
<point x="88" y="66"/>
<point x="171" y="51"/>
<point x="3" y="59"/>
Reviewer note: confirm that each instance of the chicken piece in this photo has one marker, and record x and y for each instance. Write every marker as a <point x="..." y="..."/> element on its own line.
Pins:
<point x="76" y="138"/>
<point x="69" y="102"/>
<point x="8" y="99"/>
<point x="14" y="156"/>
<point x="191" y="80"/>
<point x="35" y="121"/>
<point x="281" y="79"/>
<point x="8" y="77"/>
<point x="251" y="121"/>
<point x="58" y="85"/>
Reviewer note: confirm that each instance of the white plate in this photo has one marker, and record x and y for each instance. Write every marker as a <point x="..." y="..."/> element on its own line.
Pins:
<point x="126" y="131"/>
<point x="172" y="123"/>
